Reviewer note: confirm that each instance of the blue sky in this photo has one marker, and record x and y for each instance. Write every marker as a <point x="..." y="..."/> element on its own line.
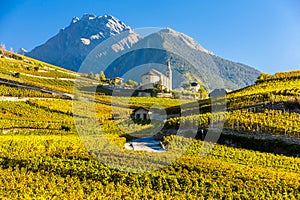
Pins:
<point x="264" y="34"/>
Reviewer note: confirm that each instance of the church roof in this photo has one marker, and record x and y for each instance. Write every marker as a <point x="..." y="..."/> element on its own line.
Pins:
<point x="154" y="72"/>
<point x="157" y="72"/>
<point x="141" y="108"/>
<point x="150" y="73"/>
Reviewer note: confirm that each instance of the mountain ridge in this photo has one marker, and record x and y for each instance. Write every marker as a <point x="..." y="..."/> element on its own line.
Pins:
<point x="203" y="65"/>
<point x="83" y="40"/>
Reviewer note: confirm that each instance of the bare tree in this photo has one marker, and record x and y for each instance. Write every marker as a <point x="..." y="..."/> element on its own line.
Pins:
<point x="2" y="46"/>
<point x="2" y="49"/>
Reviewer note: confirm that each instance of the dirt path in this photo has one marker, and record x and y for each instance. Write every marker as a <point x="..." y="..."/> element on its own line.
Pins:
<point x="68" y="96"/>
<point x="15" y="99"/>
<point x="63" y="79"/>
<point x="27" y="86"/>
<point x="9" y="130"/>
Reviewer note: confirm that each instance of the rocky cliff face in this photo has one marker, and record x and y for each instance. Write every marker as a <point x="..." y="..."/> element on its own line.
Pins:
<point x="72" y="44"/>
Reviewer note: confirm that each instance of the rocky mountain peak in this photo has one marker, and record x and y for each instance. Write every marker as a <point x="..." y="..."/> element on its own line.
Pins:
<point x="74" y="20"/>
<point x="187" y="40"/>
<point x="88" y="17"/>
<point x="72" y="44"/>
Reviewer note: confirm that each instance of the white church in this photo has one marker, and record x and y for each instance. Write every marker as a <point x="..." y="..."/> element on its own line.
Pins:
<point x="153" y="77"/>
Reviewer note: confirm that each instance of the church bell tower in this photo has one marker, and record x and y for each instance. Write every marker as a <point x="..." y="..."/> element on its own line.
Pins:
<point x="169" y="75"/>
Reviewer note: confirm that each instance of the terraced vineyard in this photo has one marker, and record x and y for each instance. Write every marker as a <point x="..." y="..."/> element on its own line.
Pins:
<point x="58" y="166"/>
<point x="17" y="92"/>
<point x="146" y="102"/>
<point x="43" y="157"/>
<point x="279" y="87"/>
<point x="29" y="71"/>
<point x="269" y="121"/>
<point x="55" y="163"/>
<point x="30" y="115"/>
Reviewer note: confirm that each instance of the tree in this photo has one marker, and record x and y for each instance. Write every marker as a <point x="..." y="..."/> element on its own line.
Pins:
<point x="97" y="77"/>
<point x="102" y="76"/>
<point x="17" y="75"/>
<point x="91" y="75"/>
<point x="262" y="77"/>
<point x="159" y="86"/>
<point x="202" y="93"/>
<point x="2" y="46"/>
<point x="2" y="49"/>
<point x="186" y="86"/>
<point x="112" y="82"/>
<point x="36" y="68"/>
<point x="132" y="84"/>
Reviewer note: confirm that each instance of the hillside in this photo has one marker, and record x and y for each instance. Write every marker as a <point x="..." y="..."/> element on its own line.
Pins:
<point x="267" y="110"/>
<point x="44" y="154"/>
<point x="24" y="72"/>
<point x="282" y="86"/>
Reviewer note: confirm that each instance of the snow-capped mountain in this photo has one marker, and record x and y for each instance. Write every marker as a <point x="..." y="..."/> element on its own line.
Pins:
<point x="87" y="45"/>
<point x="72" y="44"/>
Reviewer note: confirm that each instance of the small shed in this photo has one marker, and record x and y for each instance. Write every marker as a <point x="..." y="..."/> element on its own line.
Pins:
<point x="141" y="113"/>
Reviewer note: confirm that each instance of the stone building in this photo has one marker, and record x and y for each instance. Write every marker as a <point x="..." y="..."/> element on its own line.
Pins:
<point x="141" y="113"/>
<point x="153" y="77"/>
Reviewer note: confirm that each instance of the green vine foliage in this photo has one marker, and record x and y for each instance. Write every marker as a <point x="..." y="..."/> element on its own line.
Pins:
<point x="43" y="157"/>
